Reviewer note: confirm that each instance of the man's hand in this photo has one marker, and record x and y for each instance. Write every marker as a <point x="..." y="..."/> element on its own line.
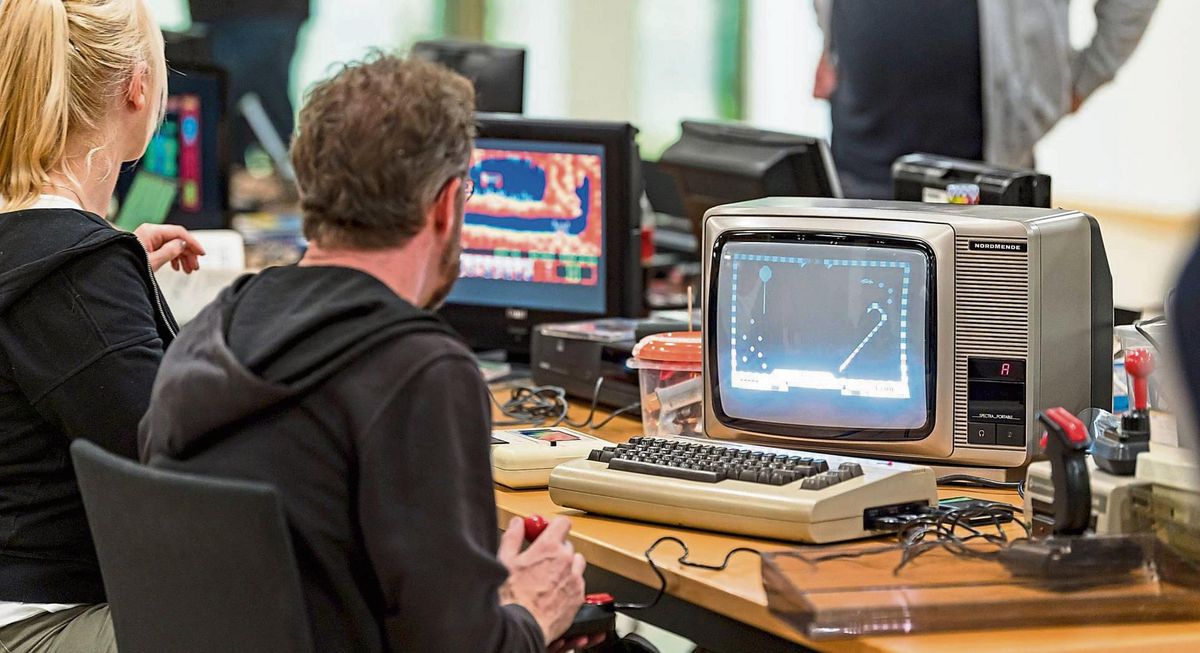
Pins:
<point x="170" y="242"/>
<point x="826" y="78"/>
<point x="546" y="578"/>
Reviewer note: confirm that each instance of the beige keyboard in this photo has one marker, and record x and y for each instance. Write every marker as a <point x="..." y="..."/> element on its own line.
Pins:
<point x="743" y="489"/>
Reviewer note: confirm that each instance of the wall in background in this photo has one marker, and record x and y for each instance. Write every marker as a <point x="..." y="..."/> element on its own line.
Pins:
<point x="541" y="27"/>
<point x="1135" y="144"/>
<point x="653" y="63"/>
<point x="338" y="33"/>
<point x="783" y="44"/>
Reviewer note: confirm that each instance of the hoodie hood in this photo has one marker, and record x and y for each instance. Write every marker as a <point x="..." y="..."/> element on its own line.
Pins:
<point x="36" y="242"/>
<point x="267" y="340"/>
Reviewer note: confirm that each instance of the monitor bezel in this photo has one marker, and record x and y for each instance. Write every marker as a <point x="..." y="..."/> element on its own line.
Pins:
<point x="510" y="328"/>
<point x="818" y="433"/>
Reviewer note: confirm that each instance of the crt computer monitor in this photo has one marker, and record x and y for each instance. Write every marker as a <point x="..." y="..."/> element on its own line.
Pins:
<point x="552" y="231"/>
<point x="498" y="73"/>
<point x="928" y="177"/>
<point x="185" y="169"/>
<point x="718" y="163"/>
<point x="902" y="330"/>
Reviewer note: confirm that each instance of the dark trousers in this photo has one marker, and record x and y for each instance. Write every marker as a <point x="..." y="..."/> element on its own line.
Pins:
<point x="257" y="53"/>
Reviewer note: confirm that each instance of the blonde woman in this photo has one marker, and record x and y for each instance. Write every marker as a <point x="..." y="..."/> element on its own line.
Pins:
<point x="82" y="325"/>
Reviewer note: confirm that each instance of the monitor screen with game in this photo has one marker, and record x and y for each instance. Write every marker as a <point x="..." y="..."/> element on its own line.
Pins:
<point x="903" y="330"/>
<point x="860" y="358"/>
<point x="183" y="176"/>
<point x="551" y="231"/>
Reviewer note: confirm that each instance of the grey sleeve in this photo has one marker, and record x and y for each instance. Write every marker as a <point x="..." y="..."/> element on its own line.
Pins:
<point x="1119" y="27"/>
<point x="428" y="515"/>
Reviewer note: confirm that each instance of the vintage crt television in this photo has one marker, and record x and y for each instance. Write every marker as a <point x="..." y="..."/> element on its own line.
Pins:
<point x="908" y="331"/>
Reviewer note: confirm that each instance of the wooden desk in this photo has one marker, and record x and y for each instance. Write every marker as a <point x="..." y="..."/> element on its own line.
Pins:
<point x="726" y="611"/>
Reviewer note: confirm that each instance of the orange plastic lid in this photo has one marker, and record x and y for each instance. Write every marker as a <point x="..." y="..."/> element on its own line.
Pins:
<point x="670" y="347"/>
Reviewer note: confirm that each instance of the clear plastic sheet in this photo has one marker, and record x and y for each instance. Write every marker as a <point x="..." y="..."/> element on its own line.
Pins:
<point x="829" y="597"/>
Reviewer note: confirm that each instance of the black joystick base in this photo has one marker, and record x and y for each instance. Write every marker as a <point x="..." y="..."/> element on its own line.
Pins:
<point x="1135" y="425"/>
<point x="595" y="616"/>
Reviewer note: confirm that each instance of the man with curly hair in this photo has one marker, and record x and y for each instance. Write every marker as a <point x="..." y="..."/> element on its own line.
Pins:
<point x="332" y="381"/>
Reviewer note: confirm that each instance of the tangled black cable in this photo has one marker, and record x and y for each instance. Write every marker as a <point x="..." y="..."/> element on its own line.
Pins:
<point x="967" y="480"/>
<point x="946" y="530"/>
<point x="683" y="560"/>
<point x="533" y="406"/>
<point x="539" y="405"/>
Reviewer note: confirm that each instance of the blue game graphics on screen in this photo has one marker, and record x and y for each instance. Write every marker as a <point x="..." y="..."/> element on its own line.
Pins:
<point x="822" y="335"/>
<point x="533" y="236"/>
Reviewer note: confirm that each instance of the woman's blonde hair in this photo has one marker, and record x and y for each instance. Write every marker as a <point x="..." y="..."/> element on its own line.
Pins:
<point x="62" y="65"/>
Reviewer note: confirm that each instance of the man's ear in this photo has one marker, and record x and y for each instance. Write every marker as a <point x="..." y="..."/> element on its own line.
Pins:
<point x="136" y="97"/>
<point x="444" y="211"/>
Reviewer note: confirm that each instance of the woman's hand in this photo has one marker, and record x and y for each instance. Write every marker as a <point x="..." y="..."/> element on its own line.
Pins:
<point x="170" y="242"/>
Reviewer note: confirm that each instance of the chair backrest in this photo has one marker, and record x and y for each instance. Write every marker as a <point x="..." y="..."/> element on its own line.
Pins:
<point x="191" y="563"/>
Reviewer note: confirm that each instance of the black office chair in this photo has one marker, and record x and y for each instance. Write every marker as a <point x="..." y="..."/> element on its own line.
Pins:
<point x="191" y="563"/>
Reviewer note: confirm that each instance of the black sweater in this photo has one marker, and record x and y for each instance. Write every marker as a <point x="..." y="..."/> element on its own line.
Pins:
<point x="371" y="420"/>
<point x="82" y="330"/>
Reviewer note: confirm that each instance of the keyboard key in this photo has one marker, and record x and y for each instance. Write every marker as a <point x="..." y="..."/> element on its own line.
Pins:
<point x="625" y="465"/>
<point x="850" y="470"/>
<point x="820" y="481"/>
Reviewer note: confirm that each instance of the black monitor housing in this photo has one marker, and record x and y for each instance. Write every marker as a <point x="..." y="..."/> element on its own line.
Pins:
<point x="720" y="163"/>
<point x="926" y="178"/>
<point x="498" y="73"/>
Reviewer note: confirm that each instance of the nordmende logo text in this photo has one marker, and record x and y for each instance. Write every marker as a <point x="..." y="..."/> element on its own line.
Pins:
<point x="998" y="246"/>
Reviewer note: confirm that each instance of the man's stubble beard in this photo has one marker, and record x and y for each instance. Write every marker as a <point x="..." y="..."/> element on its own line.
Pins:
<point x="449" y="266"/>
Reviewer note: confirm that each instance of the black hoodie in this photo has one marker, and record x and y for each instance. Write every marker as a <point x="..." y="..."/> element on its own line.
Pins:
<point x="82" y="329"/>
<point x="371" y="420"/>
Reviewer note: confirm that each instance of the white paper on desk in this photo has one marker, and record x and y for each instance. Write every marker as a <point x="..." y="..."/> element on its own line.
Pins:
<point x="187" y="294"/>
<point x="224" y="249"/>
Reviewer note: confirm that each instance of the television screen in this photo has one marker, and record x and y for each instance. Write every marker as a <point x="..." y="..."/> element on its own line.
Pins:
<point x="828" y="334"/>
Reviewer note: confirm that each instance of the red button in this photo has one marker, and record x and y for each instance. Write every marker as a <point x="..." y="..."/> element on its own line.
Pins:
<point x="603" y="598"/>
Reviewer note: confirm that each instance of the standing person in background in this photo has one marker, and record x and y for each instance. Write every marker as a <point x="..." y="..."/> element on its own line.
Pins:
<point x="82" y="325"/>
<point x="255" y="41"/>
<point x="981" y="80"/>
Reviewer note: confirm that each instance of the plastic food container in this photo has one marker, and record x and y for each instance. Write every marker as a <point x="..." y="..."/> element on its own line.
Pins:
<point x="669" y="367"/>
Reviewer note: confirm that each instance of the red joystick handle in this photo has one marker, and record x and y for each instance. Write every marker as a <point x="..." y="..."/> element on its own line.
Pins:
<point x="534" y="525"/>
<point x="1139" y="362"/>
